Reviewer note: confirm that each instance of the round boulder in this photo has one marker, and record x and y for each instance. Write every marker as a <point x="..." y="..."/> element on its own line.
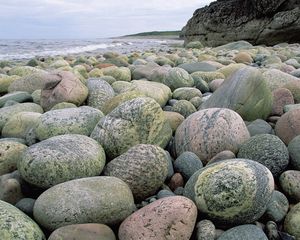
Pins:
<point x="294" y="151"/>
<point x="10" y="155"/>
<point x="268" y="150"/>
<point x="234" y="191"/>
<point x="88" y="231"/>
<point x="277" y="207"/>
<point x="210" y="131"/>
<point x="80" y="120"/>
<point x="14" y="224"/>
<point x="288" y="126"/>
<point x="61" y="158"/>
<point x="281" y="97"/>
<point x="143" y="167"/>
<point x="177" y="78"/>
<point x="166" y="218"/>
<point x="292" y="221"/>
<point x="106" y="200"/>
<point x="140" y="120"/>
<point x="290" y="183"/>
<point x="245" y="232"/>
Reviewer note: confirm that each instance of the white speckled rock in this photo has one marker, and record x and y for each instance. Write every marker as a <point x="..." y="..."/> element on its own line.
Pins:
<point x="211" y="131"/>
<point x="15" y="225"/>
<point x="140" y="120"/>
<point x="60" y="159"/>
<point x="234" y="191"/>
<point x="167" y="218"/>
<point x="106" y="200"/>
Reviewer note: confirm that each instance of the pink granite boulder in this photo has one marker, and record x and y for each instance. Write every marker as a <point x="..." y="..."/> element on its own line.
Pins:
<point x="281" y="97"/>
<point x="167" y="218"/>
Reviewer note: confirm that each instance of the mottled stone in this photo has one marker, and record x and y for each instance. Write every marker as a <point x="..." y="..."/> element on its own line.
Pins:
<point x="61" y="158"/>
<point x="278" y="79"/>
<point x="106" y="200"/>
<point x="205" y="230"/>
<point x="224" y="155"/>
<point x="14" y="224"/>
<point x="246" y="93"/>
<point x="119" y="73"/>
<point x="210" y="131"/>
<point x="186" y="93"/>
<point x="245" y="232"/>
<point x="176" y="181"/>
<point x="10" y="188"/>
<point x="143" y="167"/>
<point x="140" y="120"/>
<point x="88" y="231"/>
<point x="80" y="120"/>
<point x="177" y="78"/>
<point x="294" y="151"/>
<point x="166" y="218"/>
<point x="290" y="183"/>
<point x="233" y="191"/>
<point x="158" y="91"/>
<point x="184" y="107"/>
<point x="259" y="126"/>
<point x="99" y="92"/>
<point x="174" y="119"/>
<point x="187" y="164"/>
<point x="20" y="124"/>
<point x="207" y="76"/>
<point x="268" y="150"/>
<point x="243" y="57"/>
<point x="197" y="67"/>
<point x="15" y="96"/>
<point x="281" y="97"/>
<point x="288" y="126"/>
<point x="6" y="81"/>
<point x="10" y="155"/>
<point x="7" y="112"/>
<point x="278" y="207"/>
<point x="63" y="86"/>
<point x="292" y="221"/>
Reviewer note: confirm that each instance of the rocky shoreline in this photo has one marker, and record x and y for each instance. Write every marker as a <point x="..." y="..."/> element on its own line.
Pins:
<point x="188" y="143"/>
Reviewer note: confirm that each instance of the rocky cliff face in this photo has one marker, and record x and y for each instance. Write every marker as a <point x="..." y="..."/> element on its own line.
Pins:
<point x="257" y="21"/>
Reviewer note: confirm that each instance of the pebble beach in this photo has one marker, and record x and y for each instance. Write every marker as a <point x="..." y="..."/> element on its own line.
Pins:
<point x="164" y="143"/>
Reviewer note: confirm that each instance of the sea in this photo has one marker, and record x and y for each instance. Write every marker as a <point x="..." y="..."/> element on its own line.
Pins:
<point x="11" y="49"/>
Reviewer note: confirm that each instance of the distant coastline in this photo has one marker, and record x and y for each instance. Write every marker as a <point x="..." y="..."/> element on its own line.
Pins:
<point x="155" y="35"/>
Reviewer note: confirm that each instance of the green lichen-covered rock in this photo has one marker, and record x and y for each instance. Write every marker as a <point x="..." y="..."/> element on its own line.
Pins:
<point x="61" y="158"/>
<point x="245" y="232"/>
<point x="20" y="124"/>
<point x="10" y="155"/>
<point x="80" y="120"/>
<point x="119" y="73"/>
<point x="184" y="107"/>
<point x="186" y="93"/>
<point x="140" y="120"/>
<point x="268" y="150"/>
<point x="30" y="83"/>
<point x="178" y="77"/>
<point x="24" y="71"/>
<point x="63" y="105"/>
<point x="143" y="167"/>
<point x="106" y="200"/>
<point x="292" y="221"/>
<point x="7" y="112"/>
<point x="121" y="86"/>
<point x="290" y="184"/>
<point x="197" y="66"/>
<point x="117" y="100"/>
<point x="246" y="93"/>
<point x="15" y="225"/>
<point x="174" y="118"/>
<point x="59" y="63"/>
<point x="194" y="44"/>
<point x="5" y="82"/>
<point x="36" y="96"/>
<point x="227" y="71"/>
<point x="234" y="191"/>
<point x="158" y="91"/>
<point x="210" y="131"/>
<point x="99" y="93"/>
<point x="15" y="96"/>
<point x="208" y="76"/>
<point x="96" y="73"/>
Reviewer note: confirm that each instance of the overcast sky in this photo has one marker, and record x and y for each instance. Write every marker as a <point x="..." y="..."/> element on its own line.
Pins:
<point x="92" y="18"/>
